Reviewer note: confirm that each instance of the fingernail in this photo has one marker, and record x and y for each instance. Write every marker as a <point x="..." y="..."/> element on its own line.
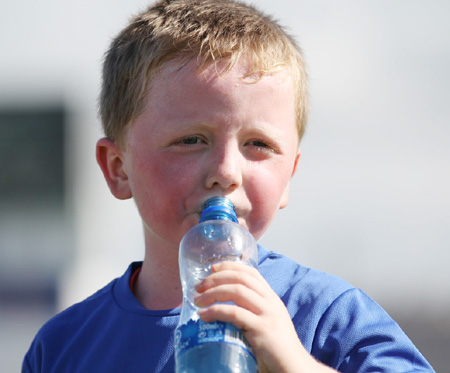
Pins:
<point x="216" y="267"/>
<point x="197" y="298"/>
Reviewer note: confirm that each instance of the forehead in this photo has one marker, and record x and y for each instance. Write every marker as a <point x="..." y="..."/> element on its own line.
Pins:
<point x="181" y="95"/>
<point x="182" y="73"/>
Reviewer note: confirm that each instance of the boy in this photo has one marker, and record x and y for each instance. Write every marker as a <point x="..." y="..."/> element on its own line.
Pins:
<point x="204" y="98"/>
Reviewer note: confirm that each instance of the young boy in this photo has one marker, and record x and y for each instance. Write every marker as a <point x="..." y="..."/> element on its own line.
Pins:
<point x="204" y="98"/>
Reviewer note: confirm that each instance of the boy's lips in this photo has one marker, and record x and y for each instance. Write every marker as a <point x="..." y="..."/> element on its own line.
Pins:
<point x="198" y="209"/>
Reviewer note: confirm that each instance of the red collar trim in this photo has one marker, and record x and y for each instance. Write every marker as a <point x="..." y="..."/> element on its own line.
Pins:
<point x="133" y="278"/>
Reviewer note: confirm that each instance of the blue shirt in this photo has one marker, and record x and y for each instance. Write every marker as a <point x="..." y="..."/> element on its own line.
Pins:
<point x="337" y="323"/>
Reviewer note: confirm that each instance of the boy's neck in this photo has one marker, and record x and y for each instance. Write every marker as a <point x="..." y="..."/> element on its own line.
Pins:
<point x="158" y="285"/>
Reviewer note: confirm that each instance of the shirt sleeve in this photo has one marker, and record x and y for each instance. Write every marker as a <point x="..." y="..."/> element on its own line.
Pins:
<point x="26" y="366"/>
<point x="356" y="335"/>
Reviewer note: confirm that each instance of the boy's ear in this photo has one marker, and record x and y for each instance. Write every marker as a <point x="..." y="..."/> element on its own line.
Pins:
<point x="285" y="196"/>
<point x="111" y="161"/>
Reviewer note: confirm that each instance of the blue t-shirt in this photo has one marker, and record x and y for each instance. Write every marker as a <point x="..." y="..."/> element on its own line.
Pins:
<point x="112" y="332"/>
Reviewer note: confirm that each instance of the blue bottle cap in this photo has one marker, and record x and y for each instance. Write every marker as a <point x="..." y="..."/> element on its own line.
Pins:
<point x="218" y="208"/>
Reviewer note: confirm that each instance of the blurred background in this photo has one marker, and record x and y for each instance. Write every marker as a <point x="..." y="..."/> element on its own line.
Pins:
<point x="370" y="202"/>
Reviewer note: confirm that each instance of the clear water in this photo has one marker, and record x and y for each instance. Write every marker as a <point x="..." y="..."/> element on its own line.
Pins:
<point x="216" y="358"/>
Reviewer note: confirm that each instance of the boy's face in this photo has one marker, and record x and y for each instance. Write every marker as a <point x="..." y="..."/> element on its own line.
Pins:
<point x="202" y="135"/>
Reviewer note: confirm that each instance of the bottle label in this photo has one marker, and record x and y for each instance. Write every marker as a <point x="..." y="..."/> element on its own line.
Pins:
<point x="199" y="332"/>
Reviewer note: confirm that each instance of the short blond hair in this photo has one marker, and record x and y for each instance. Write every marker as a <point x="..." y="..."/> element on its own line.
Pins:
<point x="208" y="30"/>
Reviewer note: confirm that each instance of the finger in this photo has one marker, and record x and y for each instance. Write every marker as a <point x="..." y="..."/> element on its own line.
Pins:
<point x="240" y="295"/>
<point x="241" y="268"/>
<point x="234" y="272"/>
<point x="255" y="329"/>
<point x="235" y="266"/>
<point x="239" y="317"/>
<point x="232" y="277"/>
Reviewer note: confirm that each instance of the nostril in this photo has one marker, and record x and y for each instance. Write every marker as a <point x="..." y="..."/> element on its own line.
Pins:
<point x="223" y="180"/>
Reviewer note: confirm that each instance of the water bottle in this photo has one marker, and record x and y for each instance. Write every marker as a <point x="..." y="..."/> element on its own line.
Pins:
<point x="217" y="347"/>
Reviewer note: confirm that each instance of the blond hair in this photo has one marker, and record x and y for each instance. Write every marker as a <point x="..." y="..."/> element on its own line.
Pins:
<point x="208" y="30"/>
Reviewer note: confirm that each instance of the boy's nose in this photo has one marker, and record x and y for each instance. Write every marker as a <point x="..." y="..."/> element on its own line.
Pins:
<point x="224" y="169"/>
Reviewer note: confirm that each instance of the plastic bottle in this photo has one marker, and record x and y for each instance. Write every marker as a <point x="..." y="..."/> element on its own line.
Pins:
<point x="217" y="346"/>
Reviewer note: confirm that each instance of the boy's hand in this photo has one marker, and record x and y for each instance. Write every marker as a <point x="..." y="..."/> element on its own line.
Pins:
<point x="260" y="314"/>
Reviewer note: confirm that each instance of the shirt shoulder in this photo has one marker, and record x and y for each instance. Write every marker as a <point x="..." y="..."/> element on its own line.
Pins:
<point x="293" y="281"/>
<point x="109" y="331"/>
<point x="337" y="323"/>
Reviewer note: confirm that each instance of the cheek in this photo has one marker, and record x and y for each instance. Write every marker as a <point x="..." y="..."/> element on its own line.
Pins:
<point x="148" y="180"/>
<point x="161" y="185"/>
<point x="265" y="191"/>
<point x="155" y="173"/>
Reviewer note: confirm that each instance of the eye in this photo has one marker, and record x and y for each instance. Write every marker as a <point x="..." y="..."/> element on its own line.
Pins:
<point x="190" y="140"/>
<point x="260" y="145"/>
